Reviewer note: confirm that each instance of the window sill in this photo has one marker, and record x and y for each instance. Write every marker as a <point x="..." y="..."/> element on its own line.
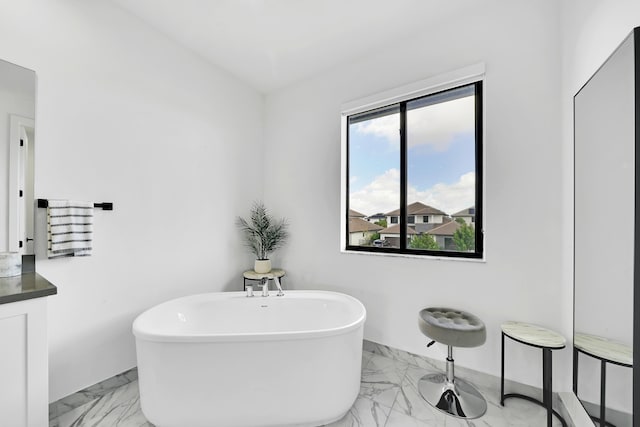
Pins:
<point x="421" y="257"/>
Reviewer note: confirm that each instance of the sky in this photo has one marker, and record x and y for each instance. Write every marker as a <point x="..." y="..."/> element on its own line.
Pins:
<point x="440" y="155"/>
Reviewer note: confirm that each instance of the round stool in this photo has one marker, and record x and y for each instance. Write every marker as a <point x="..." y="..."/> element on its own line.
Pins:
<point x="454" y="328"/>
<point x="539" y="337"/>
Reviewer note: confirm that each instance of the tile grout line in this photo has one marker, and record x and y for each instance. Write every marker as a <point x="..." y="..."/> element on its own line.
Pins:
<point x="395" y="400"/>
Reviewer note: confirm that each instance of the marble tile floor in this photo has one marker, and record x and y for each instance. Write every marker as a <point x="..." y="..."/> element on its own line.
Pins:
<point x="388" y="398"/>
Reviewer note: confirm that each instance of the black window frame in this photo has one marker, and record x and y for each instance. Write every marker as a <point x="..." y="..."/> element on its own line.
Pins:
<point x="403" y="222"/>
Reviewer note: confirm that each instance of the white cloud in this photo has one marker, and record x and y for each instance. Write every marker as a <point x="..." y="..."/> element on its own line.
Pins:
<point x="435" y="125"/>
<point x="450" y="198"/>
<point x="383" y="194"/>
<point x="387" y="127"/>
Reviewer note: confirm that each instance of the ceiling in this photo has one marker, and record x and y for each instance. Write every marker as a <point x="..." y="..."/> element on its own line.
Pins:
<point x="270" y="44"/>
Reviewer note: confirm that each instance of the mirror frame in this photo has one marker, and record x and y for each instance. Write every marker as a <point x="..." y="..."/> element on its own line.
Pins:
<point x="636" y="233"/>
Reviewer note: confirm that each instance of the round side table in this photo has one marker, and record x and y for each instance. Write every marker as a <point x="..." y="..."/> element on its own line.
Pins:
<point x="607" y="351"/>
<point x="252" y="275"/>
<point x="539" y="337"/>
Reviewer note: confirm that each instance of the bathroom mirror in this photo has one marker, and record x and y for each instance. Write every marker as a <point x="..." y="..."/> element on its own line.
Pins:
<point x="17" y="142"/>
<point x="606" y="245"/>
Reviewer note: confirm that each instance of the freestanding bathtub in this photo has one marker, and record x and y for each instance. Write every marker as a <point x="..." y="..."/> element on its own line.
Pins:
<point x="224" y="359"/>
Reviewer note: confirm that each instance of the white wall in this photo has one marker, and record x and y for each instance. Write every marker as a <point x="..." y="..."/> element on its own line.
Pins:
<point x="592" y="29"/>
<point x="127" y="116"/>
<point x="522" y="276"/>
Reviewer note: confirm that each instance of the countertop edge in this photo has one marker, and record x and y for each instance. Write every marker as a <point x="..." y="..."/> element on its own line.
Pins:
<point x="25" y="287"/>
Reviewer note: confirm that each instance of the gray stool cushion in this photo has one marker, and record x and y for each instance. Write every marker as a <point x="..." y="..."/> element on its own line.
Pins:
<point x="452" y="327"/>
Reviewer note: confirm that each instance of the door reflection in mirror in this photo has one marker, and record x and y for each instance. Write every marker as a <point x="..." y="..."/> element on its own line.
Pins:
<point x="17" y="143"/>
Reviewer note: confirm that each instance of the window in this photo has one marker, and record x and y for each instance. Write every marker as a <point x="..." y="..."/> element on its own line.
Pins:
<point x="419" y="157"/>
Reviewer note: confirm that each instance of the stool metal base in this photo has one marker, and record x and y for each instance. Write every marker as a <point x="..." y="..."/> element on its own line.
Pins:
<point x="457" y="398"/>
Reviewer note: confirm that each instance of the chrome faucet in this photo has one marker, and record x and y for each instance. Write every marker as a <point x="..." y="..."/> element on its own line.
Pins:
<point x="264" y="284"/>
<point x="277" y="282"/>
<point x="265" y="287"/>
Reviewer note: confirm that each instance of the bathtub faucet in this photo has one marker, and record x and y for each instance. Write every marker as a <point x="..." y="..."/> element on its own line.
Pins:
<point x="264" y="284"/>
<point x="277" y="282"/>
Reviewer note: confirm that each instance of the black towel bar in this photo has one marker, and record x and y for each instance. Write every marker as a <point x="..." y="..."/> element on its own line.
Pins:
<point x="106" y="206"/>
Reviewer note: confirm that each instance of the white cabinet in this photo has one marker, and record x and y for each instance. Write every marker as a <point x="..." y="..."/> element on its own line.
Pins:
<point x="24" y="364"/>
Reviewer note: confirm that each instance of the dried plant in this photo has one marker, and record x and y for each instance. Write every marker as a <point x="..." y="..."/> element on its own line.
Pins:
<point x="262" y="234"/>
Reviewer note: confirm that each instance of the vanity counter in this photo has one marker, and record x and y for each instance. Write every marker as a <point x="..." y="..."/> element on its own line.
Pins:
<point x="24" y="287"/>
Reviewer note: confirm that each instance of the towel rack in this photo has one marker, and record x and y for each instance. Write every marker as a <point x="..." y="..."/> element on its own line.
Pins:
<point x="106" y="206"/>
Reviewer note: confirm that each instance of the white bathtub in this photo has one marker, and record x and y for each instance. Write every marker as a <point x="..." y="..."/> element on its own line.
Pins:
<point x="223" y="360"/>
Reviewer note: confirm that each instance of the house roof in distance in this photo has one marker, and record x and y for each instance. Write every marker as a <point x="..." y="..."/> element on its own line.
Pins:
<point x="355" y="214"/>
<point x="395" y="229"/>
<point x="379" y="215"/>
<point x="358" y="225"/>
<point x="418" y="208"/>
<point x="465" y="212"/>
<point x="446" y="229"/>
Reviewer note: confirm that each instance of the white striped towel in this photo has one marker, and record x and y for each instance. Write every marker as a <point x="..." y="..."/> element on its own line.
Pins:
<point x="70" y="228"/>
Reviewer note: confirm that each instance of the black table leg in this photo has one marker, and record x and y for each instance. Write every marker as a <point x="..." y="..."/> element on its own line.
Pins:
<point x="603" y="387"/>
<point x="547" y="384"/>
<point x="575" y="371"/>
<point x="502" y="374"/>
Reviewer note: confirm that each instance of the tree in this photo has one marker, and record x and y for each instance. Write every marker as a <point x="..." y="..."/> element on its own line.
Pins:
<point x="382" y="223"/>
<point x="465" y="238"/>
<point x="374" y="236"/>
<point x="424" y="241"/>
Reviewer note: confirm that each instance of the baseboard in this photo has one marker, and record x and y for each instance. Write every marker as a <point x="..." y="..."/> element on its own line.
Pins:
<point x="75" y="400"/>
